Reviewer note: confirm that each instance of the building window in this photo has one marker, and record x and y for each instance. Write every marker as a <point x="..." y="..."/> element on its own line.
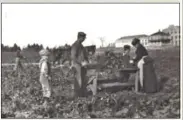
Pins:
<point x="175" y="37"/>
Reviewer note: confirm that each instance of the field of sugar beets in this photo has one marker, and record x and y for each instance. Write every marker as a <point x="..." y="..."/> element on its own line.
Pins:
<point x="21" y="96"/>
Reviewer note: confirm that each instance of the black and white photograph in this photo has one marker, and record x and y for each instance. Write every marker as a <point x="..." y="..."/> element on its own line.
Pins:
<point x="98" y="61"/>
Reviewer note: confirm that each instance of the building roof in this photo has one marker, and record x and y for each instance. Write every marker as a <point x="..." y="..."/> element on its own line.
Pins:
<point x="159" y="33"/>
<point x="132" y="36"/>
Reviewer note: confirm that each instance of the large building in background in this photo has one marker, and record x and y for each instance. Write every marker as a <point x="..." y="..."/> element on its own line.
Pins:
<point x="159" y="39"/>
<point x="174" y="32"/>
<point x="126" y="40"/>
<point x="169" y="36"/>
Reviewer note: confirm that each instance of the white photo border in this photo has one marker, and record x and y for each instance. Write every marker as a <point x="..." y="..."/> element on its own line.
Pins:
<point x="107" y="2"/>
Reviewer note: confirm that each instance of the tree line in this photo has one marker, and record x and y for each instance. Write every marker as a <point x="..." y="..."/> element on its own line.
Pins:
<point x="29" y="47"/>
<point x="15" y="47"/>
<point x="35" y="47"/>
<point x="6" y="48"/>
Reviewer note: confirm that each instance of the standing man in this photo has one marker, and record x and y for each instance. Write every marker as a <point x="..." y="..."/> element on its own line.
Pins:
<point x="18" y="62"/>
<point x="79" y="60"/>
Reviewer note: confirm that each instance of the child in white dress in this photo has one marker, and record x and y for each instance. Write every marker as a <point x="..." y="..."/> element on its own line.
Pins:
<point x="45" y="74"/>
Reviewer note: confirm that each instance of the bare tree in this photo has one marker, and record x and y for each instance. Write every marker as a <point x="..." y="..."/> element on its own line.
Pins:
<point x="102" y="39"/>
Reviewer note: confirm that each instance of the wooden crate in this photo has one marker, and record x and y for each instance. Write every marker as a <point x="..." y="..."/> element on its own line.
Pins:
<point x="110" y="82"/>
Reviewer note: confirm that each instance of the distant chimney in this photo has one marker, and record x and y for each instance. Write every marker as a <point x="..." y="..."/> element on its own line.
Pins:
<point x="159" y="30"/>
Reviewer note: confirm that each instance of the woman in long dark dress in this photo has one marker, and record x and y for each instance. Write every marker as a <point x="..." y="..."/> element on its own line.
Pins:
<point x="148" y="79"/>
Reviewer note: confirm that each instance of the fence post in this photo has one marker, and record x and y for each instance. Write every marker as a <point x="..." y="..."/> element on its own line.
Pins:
<point x="95" y="84"/>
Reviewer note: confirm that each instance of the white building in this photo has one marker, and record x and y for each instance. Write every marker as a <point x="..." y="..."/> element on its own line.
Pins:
<point x="127" y="40"/>
<point x="159" y="39"/>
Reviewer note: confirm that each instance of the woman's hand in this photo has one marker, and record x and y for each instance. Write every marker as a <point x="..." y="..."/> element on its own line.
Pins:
<point x="131" y="61"/>
<point x="84" y="63"/>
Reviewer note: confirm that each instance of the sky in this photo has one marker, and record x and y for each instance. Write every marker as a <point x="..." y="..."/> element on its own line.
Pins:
<point x="57" y="24"/>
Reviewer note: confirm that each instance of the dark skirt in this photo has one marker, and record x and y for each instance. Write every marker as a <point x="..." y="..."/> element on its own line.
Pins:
<point x="150" y="83"/>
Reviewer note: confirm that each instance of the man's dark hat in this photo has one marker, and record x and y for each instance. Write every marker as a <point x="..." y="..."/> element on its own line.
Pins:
<point x="135" y="41"/>
<point x="81" y="34"/>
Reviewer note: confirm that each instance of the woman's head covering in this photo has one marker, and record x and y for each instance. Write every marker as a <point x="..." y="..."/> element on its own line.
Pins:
<point x="44" y="52"/>
<point x="135" y="41"/>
